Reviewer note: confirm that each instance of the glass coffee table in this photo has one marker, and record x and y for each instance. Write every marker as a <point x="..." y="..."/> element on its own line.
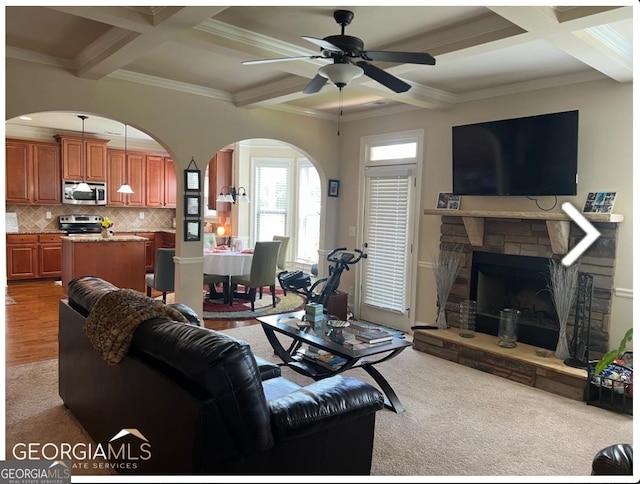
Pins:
<point x="334" y="341"/>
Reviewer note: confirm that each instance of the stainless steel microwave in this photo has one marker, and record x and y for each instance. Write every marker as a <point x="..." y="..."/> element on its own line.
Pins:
<point x="97" y="195"/>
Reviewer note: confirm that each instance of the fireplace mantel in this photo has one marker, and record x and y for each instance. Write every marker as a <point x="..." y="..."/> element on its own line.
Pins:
<point x="558" y="223"/>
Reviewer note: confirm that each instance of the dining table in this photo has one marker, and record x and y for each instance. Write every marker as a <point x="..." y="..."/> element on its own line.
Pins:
<point x="226" y="262"/>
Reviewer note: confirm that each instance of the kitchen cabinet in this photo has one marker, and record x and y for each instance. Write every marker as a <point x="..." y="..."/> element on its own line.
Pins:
<point x="135" y="177"/>
<point x="167" y="240"/>
<point x="155" y="181"/>
<point x="149" y="249"/>
<point x="32" y="173"/>
<point x="33" y="256"/>
<point x="118" y="260"/>
<point x="22" y="256"/>
<point x="220" y="167"/>
<point x="49" y="255"/>
<point x="169" y="183"/>
<point x="94" y="154"/>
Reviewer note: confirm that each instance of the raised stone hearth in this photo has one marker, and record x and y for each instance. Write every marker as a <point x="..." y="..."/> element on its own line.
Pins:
<point x="523" y="364"/>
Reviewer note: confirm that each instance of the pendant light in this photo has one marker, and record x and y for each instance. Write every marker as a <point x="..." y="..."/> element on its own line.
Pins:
<point x="125" y="188"/>
<point x="83" y="186"/>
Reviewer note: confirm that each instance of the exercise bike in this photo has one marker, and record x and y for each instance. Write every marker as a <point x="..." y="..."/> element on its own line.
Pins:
<point x="300" y="282"/>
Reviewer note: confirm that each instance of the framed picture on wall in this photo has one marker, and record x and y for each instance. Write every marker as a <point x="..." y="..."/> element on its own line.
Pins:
<point x="192" y="205"/>
<point x="334" y="188"/>
<point x="192" y="182"/>
<point x="192" y="230"/>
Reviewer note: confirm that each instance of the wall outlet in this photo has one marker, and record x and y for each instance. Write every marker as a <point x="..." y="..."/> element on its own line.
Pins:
<point x="47" y="215"/>
<point x="141" y="215"/>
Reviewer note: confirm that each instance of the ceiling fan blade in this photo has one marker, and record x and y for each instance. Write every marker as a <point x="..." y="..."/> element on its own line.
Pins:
<point x="282" y="59"/>
<point x="315" y="85"/>
<point x="383" y="77"/>
<point x="401" y="57"/>
<point x="323" y="44"/>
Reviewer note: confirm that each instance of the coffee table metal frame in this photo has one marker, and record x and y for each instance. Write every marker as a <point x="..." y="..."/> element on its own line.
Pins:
<point x="365" y="358"/>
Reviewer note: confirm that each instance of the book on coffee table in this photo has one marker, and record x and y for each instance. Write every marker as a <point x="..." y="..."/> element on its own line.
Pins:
<point x="373" y="335"/>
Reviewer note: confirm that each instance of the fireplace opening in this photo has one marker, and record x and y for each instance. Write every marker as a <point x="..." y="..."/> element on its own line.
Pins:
<point x="501" y="281"/>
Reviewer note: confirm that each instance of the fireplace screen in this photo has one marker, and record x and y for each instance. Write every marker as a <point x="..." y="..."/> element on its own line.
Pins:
<point x="500" y="281"/>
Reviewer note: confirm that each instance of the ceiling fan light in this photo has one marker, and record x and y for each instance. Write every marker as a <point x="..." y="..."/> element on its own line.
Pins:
<point x="125" y="188"/>
<point x="82" y="187"/>
<point x="341" y="74"/>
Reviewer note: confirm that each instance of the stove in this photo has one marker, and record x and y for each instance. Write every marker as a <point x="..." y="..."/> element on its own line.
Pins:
<point x="80" y="224"/>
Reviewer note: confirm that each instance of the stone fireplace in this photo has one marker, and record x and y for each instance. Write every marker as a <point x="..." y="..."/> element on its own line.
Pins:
<point x="511" y="252"/>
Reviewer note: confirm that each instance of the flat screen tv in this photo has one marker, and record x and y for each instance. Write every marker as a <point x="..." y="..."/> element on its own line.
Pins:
<point x="532" y="156"/>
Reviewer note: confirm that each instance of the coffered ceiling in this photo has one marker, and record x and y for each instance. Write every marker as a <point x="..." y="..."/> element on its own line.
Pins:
<point x="480" y="51"/>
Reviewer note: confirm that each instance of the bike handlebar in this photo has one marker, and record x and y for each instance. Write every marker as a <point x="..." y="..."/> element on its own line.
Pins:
<point x="342" y="260"/>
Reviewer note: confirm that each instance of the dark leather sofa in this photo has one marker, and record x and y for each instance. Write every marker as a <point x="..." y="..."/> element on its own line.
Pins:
<point x="189" y="400"/>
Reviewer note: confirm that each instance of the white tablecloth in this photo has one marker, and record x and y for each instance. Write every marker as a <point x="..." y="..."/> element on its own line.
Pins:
<point x="227" y="263"/>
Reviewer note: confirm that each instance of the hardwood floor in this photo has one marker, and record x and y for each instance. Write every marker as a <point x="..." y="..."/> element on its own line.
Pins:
<point x="31" y="325"/>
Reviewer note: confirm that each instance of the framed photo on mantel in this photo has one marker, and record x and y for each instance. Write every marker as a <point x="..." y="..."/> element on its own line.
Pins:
<point x="448" y="201"/>
<point x="599" y="202"/>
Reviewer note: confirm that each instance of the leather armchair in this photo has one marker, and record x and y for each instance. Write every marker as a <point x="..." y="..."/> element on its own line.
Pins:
<point x="203" y="405"/>
<point x="614" y="460"/>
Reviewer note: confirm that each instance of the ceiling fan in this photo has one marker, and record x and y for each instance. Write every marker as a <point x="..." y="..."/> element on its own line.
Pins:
<point x="344" y="50"/>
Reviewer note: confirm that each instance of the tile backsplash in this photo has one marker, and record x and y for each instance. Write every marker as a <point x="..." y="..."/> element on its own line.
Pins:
<point x="32" y="218"/>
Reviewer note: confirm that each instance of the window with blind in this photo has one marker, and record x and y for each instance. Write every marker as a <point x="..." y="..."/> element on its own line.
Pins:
<point x="272" y="189"/>
<point x="387" y="218"/>
<point x="287" y="195"/>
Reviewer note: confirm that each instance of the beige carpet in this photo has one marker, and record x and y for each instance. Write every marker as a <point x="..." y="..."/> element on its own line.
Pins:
<point x="458" y="421"/>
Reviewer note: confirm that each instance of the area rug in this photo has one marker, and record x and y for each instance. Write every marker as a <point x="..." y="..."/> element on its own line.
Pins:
<point x="241" y="310"/>
<point x="458" y="422"/>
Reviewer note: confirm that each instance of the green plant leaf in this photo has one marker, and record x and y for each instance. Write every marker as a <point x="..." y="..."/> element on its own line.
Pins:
<point x="612" y="355"/>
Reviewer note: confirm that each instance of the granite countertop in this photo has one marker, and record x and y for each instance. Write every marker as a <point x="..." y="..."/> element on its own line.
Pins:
<point x="100" y="238"/>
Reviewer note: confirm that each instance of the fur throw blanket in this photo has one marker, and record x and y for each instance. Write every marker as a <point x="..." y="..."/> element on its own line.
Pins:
<point x="116" y="315"/>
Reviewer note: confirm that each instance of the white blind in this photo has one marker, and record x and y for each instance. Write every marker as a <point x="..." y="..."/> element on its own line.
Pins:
<point x="387" y="214"/>
<point x="271" y="201"/>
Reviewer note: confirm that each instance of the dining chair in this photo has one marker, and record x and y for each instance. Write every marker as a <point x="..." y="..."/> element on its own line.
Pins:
<point x="282" y="256"/>
<point x="163" y="276"/>
<point x="263" y="272"/>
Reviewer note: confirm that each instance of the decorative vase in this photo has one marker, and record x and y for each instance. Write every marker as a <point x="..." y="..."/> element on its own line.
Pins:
<point x="442" y="318"/>
<point x="508" y="328"/>
<point x="562" y="348"/>
<point x="106" y="233"/>
<point x="468" y="318"/>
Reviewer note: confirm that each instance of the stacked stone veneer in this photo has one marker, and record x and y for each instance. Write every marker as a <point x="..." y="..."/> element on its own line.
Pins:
<point x="530" y="238"/>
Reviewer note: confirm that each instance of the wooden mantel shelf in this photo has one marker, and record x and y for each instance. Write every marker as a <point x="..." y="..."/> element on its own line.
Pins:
<point x="558" y="223"/>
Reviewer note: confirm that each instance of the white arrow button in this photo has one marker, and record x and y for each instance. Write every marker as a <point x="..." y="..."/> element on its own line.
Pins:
<point x="584" y="224"/>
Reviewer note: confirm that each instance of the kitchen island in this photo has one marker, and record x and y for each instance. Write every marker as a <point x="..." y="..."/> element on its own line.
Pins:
<point x="119" y="259"/>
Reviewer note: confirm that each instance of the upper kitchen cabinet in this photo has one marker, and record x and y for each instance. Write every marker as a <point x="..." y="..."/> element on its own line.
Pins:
<point x="94" y="167"/>
<point x="135" y="167"/>
<point x="169" y="183"/>
<point x="32" y="173"/>
<point x="155" y="181"/>
<point x="220" y="176"/>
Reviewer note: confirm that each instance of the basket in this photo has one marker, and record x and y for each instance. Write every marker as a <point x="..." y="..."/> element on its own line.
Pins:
<point x="612" y="389"/>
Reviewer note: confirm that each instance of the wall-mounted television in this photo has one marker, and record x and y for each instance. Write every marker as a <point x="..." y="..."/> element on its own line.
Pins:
<point x="532" y="156"/>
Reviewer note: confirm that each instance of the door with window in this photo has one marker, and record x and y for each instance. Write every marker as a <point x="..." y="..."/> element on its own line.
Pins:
<point x="390" y="171"/>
